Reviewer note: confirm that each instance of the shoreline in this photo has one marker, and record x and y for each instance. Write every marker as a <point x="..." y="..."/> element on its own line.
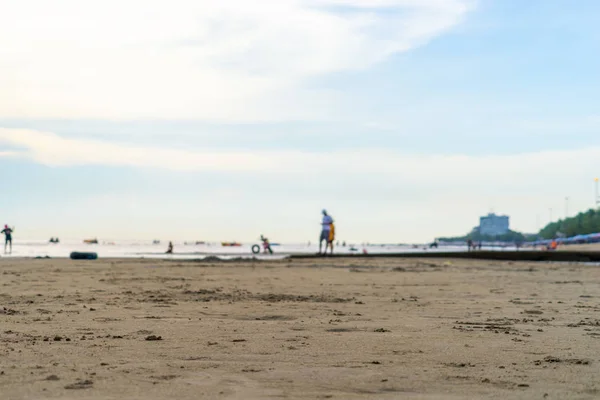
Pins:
<point x="587" y="253"/>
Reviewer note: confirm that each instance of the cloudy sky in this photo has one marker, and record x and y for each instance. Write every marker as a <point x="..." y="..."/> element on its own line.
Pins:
<point x="222" y="120"/>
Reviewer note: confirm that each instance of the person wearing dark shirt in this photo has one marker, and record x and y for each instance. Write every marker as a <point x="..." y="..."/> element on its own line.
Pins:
<point x="8" y="235"/>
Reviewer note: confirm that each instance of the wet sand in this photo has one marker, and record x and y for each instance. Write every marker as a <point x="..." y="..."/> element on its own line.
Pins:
<point x="580" y="247"/>
<point x="302" y="329"/>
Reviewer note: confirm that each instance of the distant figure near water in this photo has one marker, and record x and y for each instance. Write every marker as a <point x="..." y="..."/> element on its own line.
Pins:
<point x="327" y="234"/>
<point x="266" y="245"/>
<point x="170" y="249"/>
<point x="8" y="237"/>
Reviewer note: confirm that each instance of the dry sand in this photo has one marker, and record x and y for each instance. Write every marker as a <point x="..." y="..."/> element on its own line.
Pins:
<point x="311" y="329"/>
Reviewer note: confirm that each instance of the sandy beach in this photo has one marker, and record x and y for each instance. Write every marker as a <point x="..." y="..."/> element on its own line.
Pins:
<point x="298" y="329"/>
<point x="581" y="247"/>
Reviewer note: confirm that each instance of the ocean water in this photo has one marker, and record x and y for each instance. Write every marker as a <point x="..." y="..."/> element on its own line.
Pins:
<point x="146" y="249"/>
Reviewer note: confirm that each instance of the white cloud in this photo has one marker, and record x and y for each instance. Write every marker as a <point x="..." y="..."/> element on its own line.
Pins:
<point x="217" y="60"/>
<point x="53" y="150"/>
<point x="376" y="195"/>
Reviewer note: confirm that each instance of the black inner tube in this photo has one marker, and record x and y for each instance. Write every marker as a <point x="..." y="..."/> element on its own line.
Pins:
<point x="83" y="256"/>
<point x="256" y="249"/>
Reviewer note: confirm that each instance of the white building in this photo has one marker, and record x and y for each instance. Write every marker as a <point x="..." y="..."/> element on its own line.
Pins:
<point x="493" y="225"/>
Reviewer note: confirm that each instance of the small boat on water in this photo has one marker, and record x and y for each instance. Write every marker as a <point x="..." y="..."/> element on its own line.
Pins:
<point x="90" y="241"/>
<point x="230" y="244"/>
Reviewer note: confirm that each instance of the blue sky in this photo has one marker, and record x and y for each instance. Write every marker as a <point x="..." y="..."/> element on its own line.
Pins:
<point x="406" y="119"/>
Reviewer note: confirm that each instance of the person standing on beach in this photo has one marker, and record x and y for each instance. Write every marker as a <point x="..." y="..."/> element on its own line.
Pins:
<point x="8" y="235"/>
<point x="325" y="231"/>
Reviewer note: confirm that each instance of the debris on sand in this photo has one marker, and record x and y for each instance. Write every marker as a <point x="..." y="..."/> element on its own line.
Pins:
<point x="153" y="338"/>
<point x="585" y="322"/>
<point x="207" y="295"/>
<point x="80" y="385"/>
<point x="459" y="365"/>
<point x="53" y="378"/>
<point x="321" y="298"/>
<point x="556" y="360"/>
<point x="381" y="330"/>
<point x="533" y="312"/>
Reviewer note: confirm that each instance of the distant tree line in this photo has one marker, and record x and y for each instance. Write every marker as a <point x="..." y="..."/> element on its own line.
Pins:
<point x="581" y="224"/>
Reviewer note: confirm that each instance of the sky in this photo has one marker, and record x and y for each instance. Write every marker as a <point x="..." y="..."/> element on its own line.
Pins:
<point x="224" y="120"/>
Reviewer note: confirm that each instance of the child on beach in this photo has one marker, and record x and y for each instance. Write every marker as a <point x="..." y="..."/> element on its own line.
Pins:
<point x="8" y="236"/>
<point x="266" y="245"/>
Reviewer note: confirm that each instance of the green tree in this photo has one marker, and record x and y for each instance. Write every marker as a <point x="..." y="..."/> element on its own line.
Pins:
<point x="582" y="224"/>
